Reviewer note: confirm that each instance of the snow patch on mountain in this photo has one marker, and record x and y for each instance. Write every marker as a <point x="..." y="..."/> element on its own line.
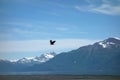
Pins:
<point x="102" y="44"/>
<point x="37" y="59"/>
<point x="108" y="42"/>
<point x="105" y="45"/>
<point x="15" y="60"/>
<point x="49" y="56"/>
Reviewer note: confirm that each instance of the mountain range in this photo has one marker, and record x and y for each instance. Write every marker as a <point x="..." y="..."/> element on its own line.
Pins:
<point x="13" y="65"/>
<point x="38" y="59"/>
<point x="100" y="58"/>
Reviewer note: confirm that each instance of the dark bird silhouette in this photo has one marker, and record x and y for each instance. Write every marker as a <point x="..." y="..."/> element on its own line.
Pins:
<point x="52" y="42"/>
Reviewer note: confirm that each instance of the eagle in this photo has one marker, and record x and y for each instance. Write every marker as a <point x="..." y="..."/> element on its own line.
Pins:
<point x="52" y="42"/>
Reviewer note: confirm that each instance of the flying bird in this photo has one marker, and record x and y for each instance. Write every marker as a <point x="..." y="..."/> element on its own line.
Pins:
<point x="52" y="42"/>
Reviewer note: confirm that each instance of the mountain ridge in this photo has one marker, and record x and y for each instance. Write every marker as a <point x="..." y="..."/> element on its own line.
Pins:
<point x="92" y="59"/>
<point x="31" y="60"/>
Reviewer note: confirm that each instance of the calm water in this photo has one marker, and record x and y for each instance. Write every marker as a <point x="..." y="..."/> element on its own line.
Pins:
<point x="48" y="76"/>
<point x="25" y="73"/>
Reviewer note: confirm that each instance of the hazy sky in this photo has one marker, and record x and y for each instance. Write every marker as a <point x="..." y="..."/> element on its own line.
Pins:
<point x="26" y="26"/>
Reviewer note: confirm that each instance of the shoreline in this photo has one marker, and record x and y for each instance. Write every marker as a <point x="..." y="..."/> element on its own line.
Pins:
<point x="58" y="77"/>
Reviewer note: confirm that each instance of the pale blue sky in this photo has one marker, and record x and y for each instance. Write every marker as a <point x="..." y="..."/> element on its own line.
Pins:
<point x="23" y="21"/>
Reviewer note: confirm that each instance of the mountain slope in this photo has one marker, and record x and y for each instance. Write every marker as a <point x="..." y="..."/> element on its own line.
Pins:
<point x="100" y="58"/>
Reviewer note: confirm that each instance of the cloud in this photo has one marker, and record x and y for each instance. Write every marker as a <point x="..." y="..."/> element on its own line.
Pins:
<point x="103" y="7"/>
<point x="36" y="30"/>
<point x="15" y="23"/>
<point x="27" y="29"/>
<point x="42" y="45"/>
<point x="107" y="9"/>
<point x="30" y="32"/>
<point x="80" y="8"/>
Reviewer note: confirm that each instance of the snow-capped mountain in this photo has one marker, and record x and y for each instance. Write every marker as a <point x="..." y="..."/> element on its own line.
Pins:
<point x="37" y="59"/>
<point x="32" y="60"/>
<point x="109" y="42"/>
<point x="45" y="57"/>
<point x="100" y="58"/>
